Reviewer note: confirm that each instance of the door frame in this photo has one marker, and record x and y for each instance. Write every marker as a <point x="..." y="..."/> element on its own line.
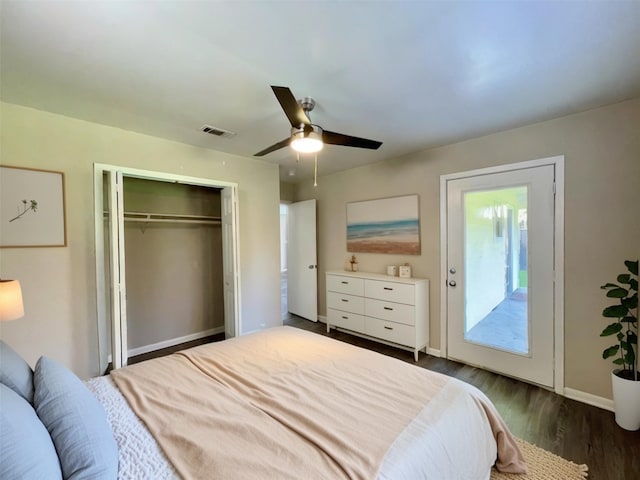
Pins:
<point x="107" y="342"/>
<point x="558" y="264"/>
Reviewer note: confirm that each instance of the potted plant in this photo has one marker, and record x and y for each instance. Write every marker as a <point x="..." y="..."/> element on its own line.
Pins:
<point x="626" y="378"/>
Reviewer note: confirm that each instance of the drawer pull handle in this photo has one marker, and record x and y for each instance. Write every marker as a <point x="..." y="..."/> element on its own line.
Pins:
<point x="346" y="318"/>
<point x="388" y="308"/>
<point x="345" y="283"/>
<point x="344" y="299"/>
<point x="388" y="288"/>
<point x="388" y="328"/>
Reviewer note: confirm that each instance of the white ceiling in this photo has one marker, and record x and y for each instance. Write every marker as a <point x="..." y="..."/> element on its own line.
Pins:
<point x="410" y="74"/>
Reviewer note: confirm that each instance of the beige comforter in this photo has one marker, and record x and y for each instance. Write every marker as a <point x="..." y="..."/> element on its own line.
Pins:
<point x="285" y="403"/>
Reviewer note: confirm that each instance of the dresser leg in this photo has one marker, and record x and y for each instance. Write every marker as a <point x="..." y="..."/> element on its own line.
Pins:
<point x="415" y="355"/>
<point x="328" y="328"/>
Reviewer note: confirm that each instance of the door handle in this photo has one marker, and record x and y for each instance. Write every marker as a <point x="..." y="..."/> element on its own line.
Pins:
<point x="311" y="267"/>
<point x="452" y="283"/>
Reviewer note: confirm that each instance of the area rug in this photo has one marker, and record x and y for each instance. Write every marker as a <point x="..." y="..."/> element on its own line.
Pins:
<point x="543" y="465"/>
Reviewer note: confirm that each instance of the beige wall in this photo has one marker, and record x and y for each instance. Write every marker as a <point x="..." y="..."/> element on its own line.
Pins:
<point x="602" y="215"/>
<point x="287" y="192"/>
<point x="59" y="283"/>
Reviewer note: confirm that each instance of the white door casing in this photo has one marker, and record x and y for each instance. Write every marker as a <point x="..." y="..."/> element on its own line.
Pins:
<point x="543" y="363"/>
<point x="302" y="268"/>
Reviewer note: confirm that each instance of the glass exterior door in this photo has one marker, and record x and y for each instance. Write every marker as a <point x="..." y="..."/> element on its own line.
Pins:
<point x="500" y="272"/>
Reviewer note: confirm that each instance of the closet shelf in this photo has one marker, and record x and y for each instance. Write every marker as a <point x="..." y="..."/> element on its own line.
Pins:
<point x="148" y="217"/>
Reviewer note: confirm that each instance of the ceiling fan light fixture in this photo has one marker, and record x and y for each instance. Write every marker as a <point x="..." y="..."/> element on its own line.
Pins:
<point x="309" y="141"/>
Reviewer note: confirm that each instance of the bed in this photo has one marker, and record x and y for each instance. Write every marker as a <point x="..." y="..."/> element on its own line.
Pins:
<point x="286" y="403"/>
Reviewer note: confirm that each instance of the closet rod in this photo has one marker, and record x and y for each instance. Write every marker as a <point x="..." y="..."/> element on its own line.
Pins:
<point x="171" y="220"/>
<point x="147" y="217"/>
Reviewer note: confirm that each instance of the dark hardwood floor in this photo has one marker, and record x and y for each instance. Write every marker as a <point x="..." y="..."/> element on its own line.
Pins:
<point x="578" y="432"/>
<point x="169" y="350"/>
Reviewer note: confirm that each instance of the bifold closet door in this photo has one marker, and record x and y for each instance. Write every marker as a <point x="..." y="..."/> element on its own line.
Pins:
<point x="117" y="287"/>
<point x="229" y="256"/>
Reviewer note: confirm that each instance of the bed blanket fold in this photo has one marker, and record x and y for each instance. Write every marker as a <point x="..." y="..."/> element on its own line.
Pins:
<point x="285" y="403"/>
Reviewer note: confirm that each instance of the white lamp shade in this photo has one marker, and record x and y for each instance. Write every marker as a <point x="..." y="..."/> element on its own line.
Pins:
<point x="307" y="144"/>
<point x="11" y="306"/>
<point x="304" y="140"/>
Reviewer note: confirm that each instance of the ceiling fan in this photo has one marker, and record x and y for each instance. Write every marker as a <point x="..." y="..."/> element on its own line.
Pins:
<point x="307" y="137"/>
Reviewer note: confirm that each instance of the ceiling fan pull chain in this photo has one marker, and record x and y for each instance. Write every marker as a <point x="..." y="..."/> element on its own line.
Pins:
<point x="315" y="171"/>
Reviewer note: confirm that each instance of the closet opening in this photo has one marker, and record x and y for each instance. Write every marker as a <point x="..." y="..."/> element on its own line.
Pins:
<point x="166" y="262"/>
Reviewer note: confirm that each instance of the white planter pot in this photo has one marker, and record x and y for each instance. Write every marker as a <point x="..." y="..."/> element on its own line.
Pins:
<point x="626" y="399"/>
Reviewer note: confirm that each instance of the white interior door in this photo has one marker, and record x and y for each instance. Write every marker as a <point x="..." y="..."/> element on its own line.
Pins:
<point x="302" y="268"/>
<point x="500" y="272"/>
<point x="229" y="267"/>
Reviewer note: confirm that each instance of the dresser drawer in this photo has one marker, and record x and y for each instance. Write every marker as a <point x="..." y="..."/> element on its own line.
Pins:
<point x="344" y="284"/>
<point x="350" y="321"/>
<point x="395" y="312"/>
<point x="346" y="303"/>
<point x="390" y="331"/>
<point x="391" y="291"/>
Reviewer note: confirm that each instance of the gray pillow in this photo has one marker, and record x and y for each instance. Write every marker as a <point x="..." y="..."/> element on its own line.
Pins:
<point x="15" y="373"/>
<point x="26" y="449"/>
<point x="76" y="422"/>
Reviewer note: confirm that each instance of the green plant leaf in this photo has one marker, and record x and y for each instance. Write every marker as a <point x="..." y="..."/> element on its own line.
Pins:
<point x="617" y="293"/>
<point x="631" y="320"/>
<point x="611" y="329"/>
<point x="615" y="311"/>
<point x="609" y="285"/>
<point x="618" y="361"/>
<point x="632" y="338"/>
<point x="632" y="266"/>
<point x="610" y="352"/>
<point x="620" y="336"/>
<point x="624" y="278"/>
<point x="631" y="303"/>
<point x="633" y="285"/>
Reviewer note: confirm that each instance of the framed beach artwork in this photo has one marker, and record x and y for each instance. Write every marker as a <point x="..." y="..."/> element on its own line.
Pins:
<point x="32" y="208"/>
<point x="385" y="225"/>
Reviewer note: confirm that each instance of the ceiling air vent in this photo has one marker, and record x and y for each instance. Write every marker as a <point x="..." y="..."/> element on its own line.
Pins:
<point x="218" y="132"/>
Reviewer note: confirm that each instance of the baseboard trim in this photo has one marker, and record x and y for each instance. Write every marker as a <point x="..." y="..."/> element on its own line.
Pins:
<point x="434" y="352"/>
<point x="174" y="341"/>
<point x="589" y="399"/>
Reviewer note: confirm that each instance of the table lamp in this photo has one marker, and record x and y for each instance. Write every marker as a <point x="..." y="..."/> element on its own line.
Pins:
<point x="11" y="306"/>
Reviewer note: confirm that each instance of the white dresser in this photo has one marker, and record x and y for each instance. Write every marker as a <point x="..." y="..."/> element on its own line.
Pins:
<point x="389" y="309"/>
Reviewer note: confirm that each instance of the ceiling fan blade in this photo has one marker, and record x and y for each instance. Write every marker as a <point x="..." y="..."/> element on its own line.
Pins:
<point x="291" y="107"/>
<point x="274" y="147"/>
<point x="334" y="138"/>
